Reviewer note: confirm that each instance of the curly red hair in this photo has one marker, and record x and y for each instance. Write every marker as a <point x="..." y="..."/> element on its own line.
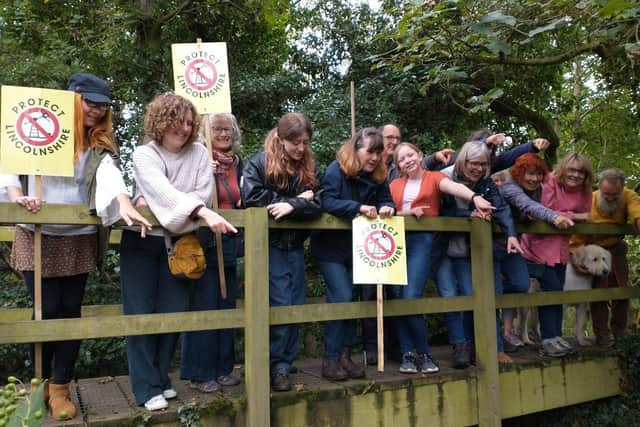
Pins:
<point x="529" y="162"/>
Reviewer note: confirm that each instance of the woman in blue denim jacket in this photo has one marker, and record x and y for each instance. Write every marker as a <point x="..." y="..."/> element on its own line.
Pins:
<point x="353" y="184"/>
<point x="283" y="178"/>
<point x="472" y="168"/>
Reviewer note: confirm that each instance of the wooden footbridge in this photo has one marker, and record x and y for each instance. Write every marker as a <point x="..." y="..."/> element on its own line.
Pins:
<point x="483" y="395"/>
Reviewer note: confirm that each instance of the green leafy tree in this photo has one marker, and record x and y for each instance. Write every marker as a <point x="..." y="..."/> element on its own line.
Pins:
<point x="513" y="58"/>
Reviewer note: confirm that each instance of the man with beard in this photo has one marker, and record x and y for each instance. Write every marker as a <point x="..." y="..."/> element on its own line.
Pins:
<point x="612" y="203"/>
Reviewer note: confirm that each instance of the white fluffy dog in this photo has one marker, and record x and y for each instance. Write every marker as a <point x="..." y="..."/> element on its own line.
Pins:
<point x="586" y="264"/>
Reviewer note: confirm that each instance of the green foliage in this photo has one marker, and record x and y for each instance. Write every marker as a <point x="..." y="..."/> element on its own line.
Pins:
<point x="521" y="59"/>
<point x="18" y="407"/>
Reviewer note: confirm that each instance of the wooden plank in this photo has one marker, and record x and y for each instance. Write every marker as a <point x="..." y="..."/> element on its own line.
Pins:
<point x="115" y="326"/>
<point x="257" y="379"/>
<point x="51" y="213"/>
<point x="484" y="312"/>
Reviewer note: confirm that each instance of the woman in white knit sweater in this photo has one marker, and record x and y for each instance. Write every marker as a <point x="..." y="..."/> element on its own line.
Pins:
<point x="174" y="178"/>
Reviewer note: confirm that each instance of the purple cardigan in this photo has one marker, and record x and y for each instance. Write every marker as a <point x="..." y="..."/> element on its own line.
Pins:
<point x="526" y="206"/>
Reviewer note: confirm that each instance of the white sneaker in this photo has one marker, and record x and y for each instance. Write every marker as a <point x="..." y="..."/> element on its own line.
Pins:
<point x="564" y="344"/>
<point x="156" y="403"/>
<point x="169" y="393"/>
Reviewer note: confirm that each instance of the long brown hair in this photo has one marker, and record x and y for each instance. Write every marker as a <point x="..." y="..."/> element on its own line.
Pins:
<point x="371" y="138"/>
<point x="280" y="167"/>
<point x="101" y="135"/>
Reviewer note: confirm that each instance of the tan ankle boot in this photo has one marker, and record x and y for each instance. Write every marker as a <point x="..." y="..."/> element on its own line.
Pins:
<point x="62" y="408"/>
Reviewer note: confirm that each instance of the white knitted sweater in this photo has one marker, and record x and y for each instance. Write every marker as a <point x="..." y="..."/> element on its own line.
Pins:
<point x="173" y="184"/>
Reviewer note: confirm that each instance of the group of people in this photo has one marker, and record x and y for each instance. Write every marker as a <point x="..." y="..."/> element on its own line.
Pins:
<point x="374" y="175"/>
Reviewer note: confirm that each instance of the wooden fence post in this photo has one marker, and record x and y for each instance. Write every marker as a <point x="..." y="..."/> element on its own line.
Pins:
<point x="484" y="311"/>
<point x="256" y="309"/>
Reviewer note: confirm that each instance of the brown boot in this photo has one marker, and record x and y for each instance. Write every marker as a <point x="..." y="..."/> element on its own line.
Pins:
<point x="62" y="408"/>
<point x="332" y="370"/>
<point x="348" y="365"/>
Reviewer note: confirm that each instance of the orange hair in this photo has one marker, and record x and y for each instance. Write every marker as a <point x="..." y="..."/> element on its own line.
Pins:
<point x="101" y="135"/>
<point x="279" y="166"/>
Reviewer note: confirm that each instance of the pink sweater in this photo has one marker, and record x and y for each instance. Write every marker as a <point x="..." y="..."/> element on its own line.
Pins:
<point x="551" y="249"/>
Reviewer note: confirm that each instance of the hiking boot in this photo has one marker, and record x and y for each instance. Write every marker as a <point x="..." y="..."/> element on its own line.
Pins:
<point x="426" y="363"/>
<point x="512" y="339"/>
<point x="353" y="370"/>
<point x="509" y="347"/>
<point x="332" y="370"/>
<point x="209" y="386"/>
<point x="566" y="345"/>
<point x="552" y="348"/>
<point x="461" y="357"/>
<point x="604" y="341"/>
<point x="408" y="365"/>
<point x="280" y="382"/>
<point x="371" y="358"/>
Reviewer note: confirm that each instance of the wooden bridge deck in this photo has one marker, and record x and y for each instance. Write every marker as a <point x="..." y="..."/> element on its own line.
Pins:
<point x="108" y="401"/>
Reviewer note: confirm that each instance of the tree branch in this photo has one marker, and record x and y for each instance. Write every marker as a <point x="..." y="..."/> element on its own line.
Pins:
<point x="508" y="107"/>
<point x="595" y="47"/>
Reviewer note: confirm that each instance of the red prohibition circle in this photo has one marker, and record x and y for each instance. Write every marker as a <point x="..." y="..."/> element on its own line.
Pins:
<point x="38" y="126"/>
<point x="201" y="74"/>
<point x="379" y="245"/>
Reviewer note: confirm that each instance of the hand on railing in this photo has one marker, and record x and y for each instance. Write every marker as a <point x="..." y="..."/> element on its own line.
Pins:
<point x="32" y="204"/>
<point x="280" y="209"/>
<point x="130" y="215"/>
<point x="562" y="222"/>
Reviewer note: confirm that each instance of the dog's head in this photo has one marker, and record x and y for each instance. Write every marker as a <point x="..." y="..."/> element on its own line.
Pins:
<point x="591" y="259"/>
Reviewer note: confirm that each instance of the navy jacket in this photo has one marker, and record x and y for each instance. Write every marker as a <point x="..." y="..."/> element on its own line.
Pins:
<point x="342" y="196"/>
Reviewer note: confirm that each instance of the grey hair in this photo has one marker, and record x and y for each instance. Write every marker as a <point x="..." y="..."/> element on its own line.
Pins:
<point x="611" y="175"/>
<point x="470" y="151"/>
<point x="237" y="134"/>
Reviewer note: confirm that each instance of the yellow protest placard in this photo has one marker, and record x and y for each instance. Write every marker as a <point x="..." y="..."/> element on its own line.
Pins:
<point x="201" y="74"/>
<point x="379" y="251"/>
<point x="37" y="128"/>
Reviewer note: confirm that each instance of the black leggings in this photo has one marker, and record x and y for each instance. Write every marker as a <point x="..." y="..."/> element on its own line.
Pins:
<point x="61" y="299"/>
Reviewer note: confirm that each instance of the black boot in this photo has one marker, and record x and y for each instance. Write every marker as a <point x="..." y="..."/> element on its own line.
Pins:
<point x="332" y="370"/>
<point x="461" y="357"/>
<point x="348" y="365"/>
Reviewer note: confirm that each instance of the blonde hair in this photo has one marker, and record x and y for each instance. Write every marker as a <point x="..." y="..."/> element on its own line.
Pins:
<point x="371" y="138"/>
<point x="101" y="135"/>
<point x="168" y="110"/>
<point x="585" y="164"/>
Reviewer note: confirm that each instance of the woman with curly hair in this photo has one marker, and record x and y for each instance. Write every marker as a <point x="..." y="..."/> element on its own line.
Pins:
<point x="567" y="193"/>
<point x="282" y="177"/>
<point x="207" y="357"/>
<point x="174" y="178"/>
<point x="70" y="252"/>
<point x="355" y="183"/>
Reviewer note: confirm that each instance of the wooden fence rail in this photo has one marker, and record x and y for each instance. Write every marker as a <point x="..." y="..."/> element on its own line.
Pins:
<point x="254" y="315"/>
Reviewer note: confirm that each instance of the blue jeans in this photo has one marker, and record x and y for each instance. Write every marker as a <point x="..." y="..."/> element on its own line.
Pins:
<point x="286" y="287"/>
<point x="148" y="287"/>
<point x="338" y="334"/>
<point x="458" y="271"/>
<point x="551" y="315"/>
<point x="206" y="355"/>
<point x="511" y="275"/>
<point x="453" y="279"/>
<point x="412" y="330"/>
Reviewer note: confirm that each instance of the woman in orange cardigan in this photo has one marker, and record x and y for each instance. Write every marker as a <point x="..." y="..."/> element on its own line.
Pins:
<point x="417" y="192"/>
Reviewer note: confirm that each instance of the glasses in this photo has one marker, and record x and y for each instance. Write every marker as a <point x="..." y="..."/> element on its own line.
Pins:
<point x="477" y="164"/>
<point x="218" y="129"/>
<point x="581" y="172"/>
<point x="102" y="106"/>
<point x="394" y="137"/>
